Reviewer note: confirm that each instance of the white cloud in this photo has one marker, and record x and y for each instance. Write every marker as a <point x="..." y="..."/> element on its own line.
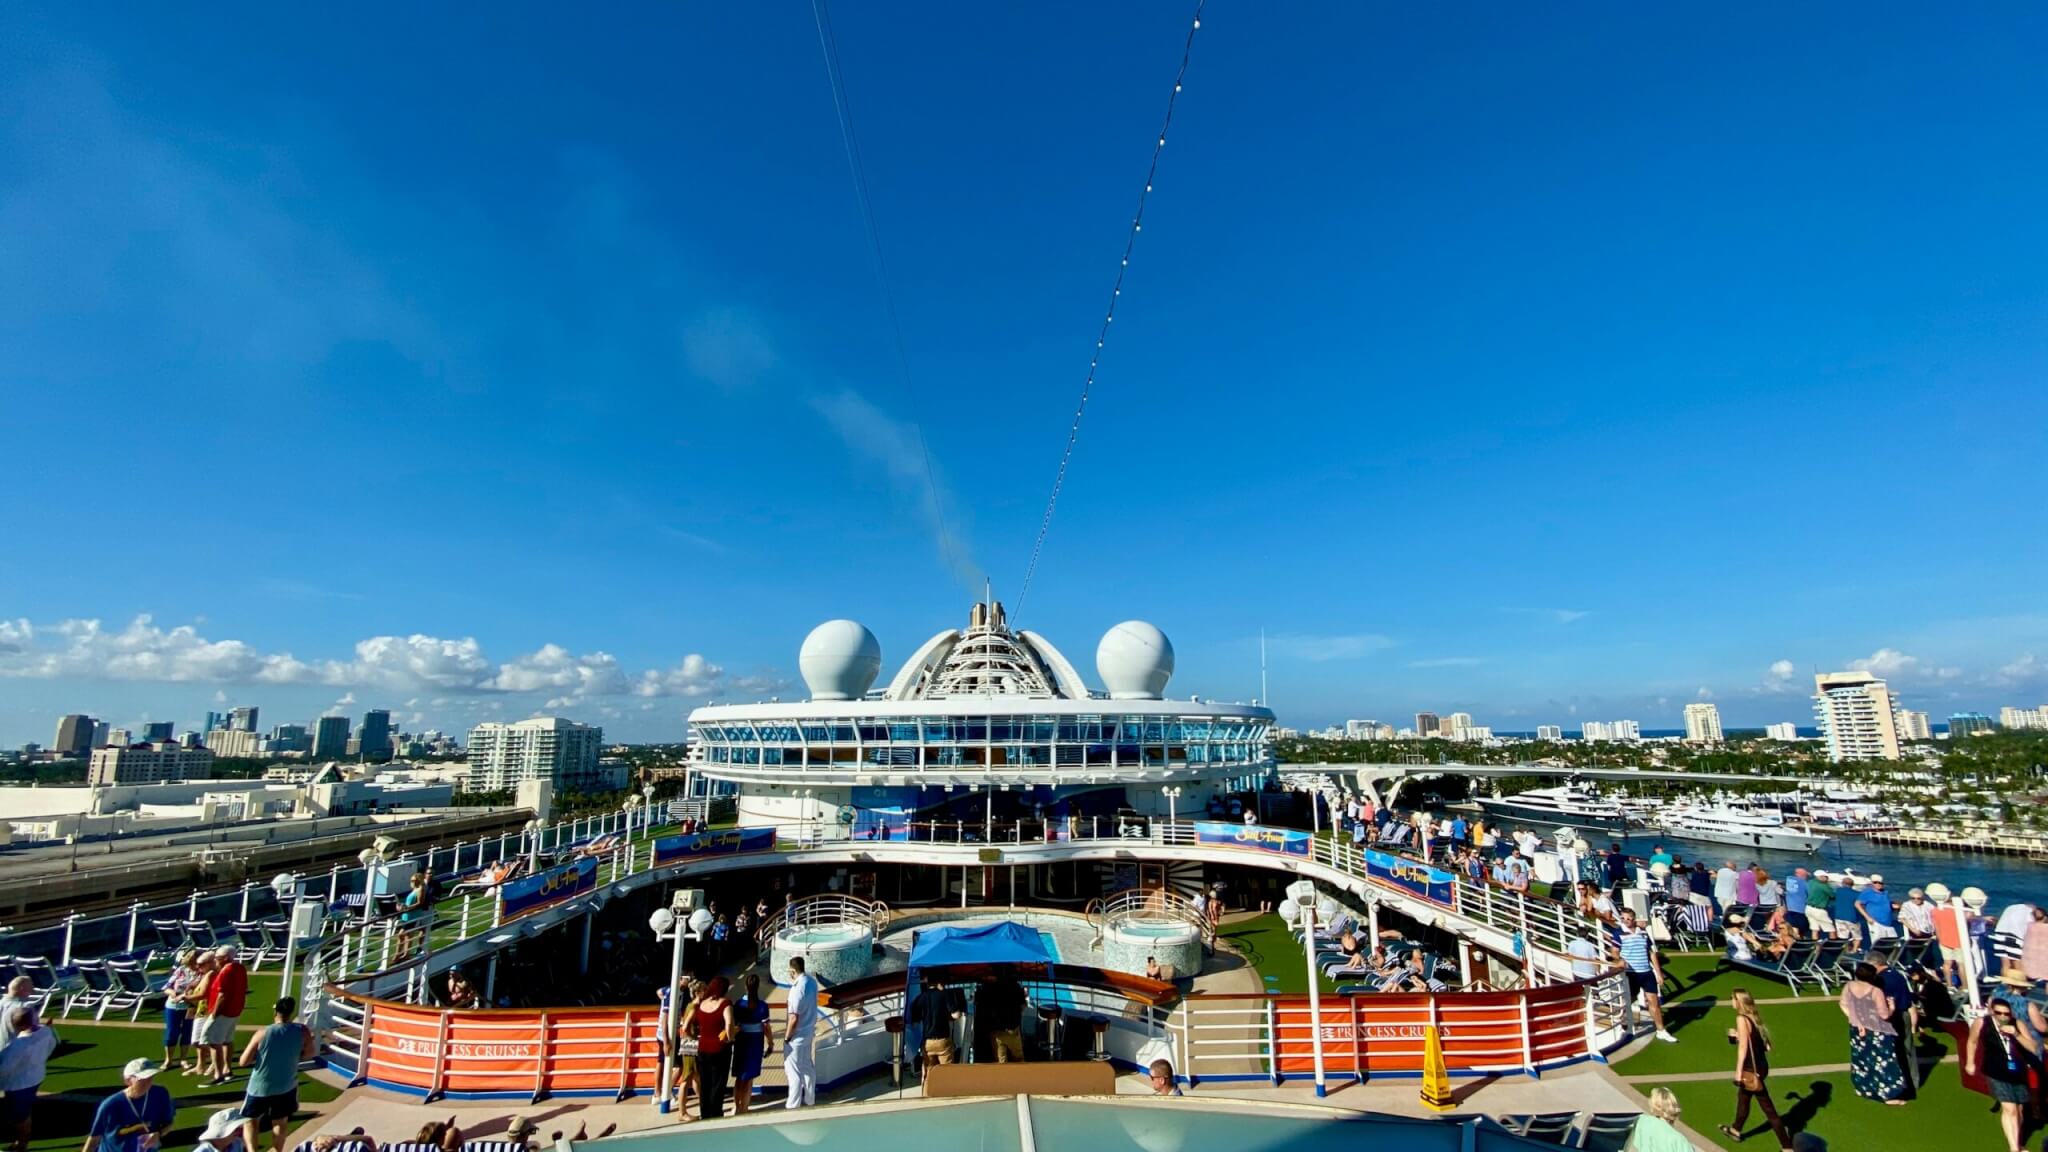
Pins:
<point x="1886" y="662"/>
<point x="2024" y="670"/>
<point x="1779" y="677"/>
<point x="555" y="668"/>
<point x="1705" y="693"/>
<point x="418" y="664"/>
<point x="1320" y="648"/>
<point x="695" y="676"/>
<point x="1448" y="662"/>
<point x="1568" y="615"/>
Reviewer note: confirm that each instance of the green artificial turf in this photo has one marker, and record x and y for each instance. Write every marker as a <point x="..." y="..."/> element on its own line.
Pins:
<point x="1276" y="955"/>
<point x="87" y="1069"/>
<point x="1805" y="1034"/>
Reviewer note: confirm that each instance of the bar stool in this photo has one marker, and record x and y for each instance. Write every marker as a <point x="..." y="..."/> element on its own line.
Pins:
<point x="1101" y="1026"/>
<point x="895" y="1026"/>
<point x="1052" y="1022"/>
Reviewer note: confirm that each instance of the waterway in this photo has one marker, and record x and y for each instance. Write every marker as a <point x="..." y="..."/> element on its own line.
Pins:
<point x="2004" y="879"/>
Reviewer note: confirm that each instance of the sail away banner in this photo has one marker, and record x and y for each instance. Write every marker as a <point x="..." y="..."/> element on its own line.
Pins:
<point x="1286" y="841"/>
<point x="1432" y="884"/>
<point x="724" y="842"/>
<point x="553" y="886"/>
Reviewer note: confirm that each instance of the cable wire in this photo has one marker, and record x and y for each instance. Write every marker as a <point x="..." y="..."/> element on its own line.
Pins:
<point x="1109" y="315"/>
<point x="829" y="45"/>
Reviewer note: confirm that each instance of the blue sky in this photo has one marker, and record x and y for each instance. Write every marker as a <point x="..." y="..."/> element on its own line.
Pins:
<point x="1545" y="365"/>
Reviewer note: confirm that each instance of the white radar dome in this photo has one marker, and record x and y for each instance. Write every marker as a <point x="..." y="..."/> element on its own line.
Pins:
<point x="1135" y="660"/>
<point x="839" y="660"/>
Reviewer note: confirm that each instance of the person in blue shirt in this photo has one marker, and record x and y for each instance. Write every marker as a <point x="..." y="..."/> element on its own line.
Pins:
<point x="1874" y="907"/>
<point x="1458" y="829"/>
<point x="135" y="1118"/>
<point x="1843" y="908"/>
<point x="1795" y="900"/>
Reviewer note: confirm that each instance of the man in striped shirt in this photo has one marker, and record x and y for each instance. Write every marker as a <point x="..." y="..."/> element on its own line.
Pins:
<point x="1645" y="972"/>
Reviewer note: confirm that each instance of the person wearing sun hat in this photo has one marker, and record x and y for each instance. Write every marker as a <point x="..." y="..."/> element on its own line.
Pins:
<point x="135" y="1118"/>
<point x="223" y="1132"/>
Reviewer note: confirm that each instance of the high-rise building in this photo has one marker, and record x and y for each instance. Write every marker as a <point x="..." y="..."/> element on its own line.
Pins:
<point x="1425" y="725"/>
<point x="1627" y="731"/>
<point x="148" y="764"/>
<point x="373" y="740"/>
<point x="116" y="738"/>
<point x="158" y="732"/>
<point x="1969" y="724"/>
<point x="1453" y="726"/>
<point x="1855" y="712"/>
<point x="100" y="732"/>
<point x="1593" y="730"/>
<point x="74" y="736"/>
<point x="1702" y="723"/>
<point x="1360" y="729"/>
<point x="215" y="720"/>
<point x="243" y="719"/>
<point x="547" y="748"/>
<point x="289" y="738"/>
<point x="1788" y="731"/>
<point x="1550" y="732"/>
<point x="330" y="738"/>
<point x="1911" y="725"/>
<point x="234" y="742"/>
<point x="2023" y="717"/>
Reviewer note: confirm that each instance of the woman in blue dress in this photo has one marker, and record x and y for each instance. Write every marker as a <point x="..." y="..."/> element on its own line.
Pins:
<point x="750" y="1016"/>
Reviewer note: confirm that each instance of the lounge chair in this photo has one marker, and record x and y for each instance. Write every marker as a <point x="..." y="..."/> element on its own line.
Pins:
<point x="1542" y="1127"/>
<point x="170" y="934"/>
<point x="1796" y="957"/>
<point x="1806" y="962"/>
<point x="131" y="989"/>
<point x="1608" y="1131"/>
<point x="97" y="986"/>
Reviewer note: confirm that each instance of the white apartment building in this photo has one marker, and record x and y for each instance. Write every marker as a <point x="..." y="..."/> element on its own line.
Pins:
<point x="1855" y="713"/>
<point x="235" y="742"/>
<point x="1454" y="725"/>
<point x="1911" y="725"/>
<point x="1702" y="723"/>
<point x="544" y="748"/>
<point x="1550" y="732"/>
<point x="148" y="764"/>
<point x="2023" y="717"/>
<point x="1787" y="731"/>
<point x="1360" y="729"/>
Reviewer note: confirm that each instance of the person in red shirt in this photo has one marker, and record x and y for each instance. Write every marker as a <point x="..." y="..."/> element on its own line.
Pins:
<point x="226" y="994"/>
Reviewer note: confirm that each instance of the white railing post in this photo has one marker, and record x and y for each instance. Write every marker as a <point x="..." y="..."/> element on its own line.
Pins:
<point x="248" y="886"/>
<point x="333" y="883"/>
<point x="134" y="922"/>
<point x="192" y="905"/>
<point x="70" y="925"/>
<point x="1528" y="1049"/>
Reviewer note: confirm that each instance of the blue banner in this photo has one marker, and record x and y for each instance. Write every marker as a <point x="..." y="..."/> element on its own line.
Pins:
<point x="1286" y="841"/>
<point x="533" y="893"/>
<point x="1432" y="884"/>
<point x="724" y="842"/>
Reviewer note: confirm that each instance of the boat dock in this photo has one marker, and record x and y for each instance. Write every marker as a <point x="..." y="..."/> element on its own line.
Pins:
<point x="1977" y="839"/>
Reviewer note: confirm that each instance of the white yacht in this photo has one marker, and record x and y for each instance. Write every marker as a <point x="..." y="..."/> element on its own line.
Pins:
<point x="1744" y="827"/>
<point x="1571" y="805"/>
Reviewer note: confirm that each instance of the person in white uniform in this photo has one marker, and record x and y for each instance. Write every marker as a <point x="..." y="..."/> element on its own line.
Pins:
<point x="798" y="1065"/>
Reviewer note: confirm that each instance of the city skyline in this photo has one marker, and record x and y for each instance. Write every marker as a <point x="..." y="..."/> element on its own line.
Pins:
<point x="474" y="398"/>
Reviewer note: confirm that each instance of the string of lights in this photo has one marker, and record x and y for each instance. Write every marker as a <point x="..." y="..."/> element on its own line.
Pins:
<point x="1109" y="314"/>
<point x="829" y="45"/>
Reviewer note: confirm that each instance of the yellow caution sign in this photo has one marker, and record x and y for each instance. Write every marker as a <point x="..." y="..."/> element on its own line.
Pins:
<point x="1436" y="1077"/>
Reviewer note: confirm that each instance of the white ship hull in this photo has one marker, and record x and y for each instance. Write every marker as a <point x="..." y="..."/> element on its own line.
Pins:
<point x="1779" y="839"/>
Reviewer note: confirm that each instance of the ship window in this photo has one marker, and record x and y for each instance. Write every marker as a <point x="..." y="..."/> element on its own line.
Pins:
<point x="817" y="733"/>
<point x="904" y="730"/>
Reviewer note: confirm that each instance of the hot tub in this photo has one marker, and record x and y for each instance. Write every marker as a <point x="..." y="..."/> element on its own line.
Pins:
<point x="832" y="952"/>
<point x="1176" y="944"/>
